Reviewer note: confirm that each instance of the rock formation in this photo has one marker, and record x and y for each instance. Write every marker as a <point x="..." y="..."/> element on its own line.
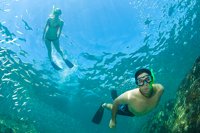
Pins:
<point x="181" y="115"/>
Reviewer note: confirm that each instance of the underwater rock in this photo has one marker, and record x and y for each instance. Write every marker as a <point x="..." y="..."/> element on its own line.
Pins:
<point x="182" y="114"/>
<point x="11" y="125"/>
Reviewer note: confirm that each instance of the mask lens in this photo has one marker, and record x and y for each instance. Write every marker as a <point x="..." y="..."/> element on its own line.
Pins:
<point x="147" y="79"/>
<point x="140" y="82"/>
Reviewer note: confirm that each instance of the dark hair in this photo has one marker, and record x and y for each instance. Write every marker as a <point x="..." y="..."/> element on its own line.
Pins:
<point x="143" y="70"/>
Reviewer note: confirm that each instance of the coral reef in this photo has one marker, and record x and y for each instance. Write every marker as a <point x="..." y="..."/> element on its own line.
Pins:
<point x="11" y="125"/>
<point x="181" y="115"/>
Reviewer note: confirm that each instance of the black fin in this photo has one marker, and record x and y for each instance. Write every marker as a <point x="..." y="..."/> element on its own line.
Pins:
<point x="114" y="94"/>
<point x="98" y="115"/>
<point x="68" y="63"/>
<point x="56" y="66"/>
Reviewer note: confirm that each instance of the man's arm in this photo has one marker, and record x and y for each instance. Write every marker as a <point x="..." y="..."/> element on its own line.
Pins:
<point x="122" y="99"/>
<point x="159" y="89"/>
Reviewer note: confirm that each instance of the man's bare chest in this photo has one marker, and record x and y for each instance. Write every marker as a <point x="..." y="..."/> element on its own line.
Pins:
<point x="143" y="105"/>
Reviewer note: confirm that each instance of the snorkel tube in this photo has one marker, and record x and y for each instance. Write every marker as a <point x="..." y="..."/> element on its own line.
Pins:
<point x="51" y="15"/>
<point x="153" y="76"/>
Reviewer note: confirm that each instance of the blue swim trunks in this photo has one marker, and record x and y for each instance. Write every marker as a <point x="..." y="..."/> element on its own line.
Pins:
<point x="123" y="110"/>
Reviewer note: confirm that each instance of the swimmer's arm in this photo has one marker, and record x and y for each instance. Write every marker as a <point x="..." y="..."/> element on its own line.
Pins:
<point x="159" y="89"/>
<point x="60" y="29"/>
<point x="45" y="29"/>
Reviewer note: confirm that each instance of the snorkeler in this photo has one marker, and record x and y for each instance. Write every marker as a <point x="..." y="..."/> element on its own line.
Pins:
<point x="51" y="34"/>
<point x="135" y="102"/>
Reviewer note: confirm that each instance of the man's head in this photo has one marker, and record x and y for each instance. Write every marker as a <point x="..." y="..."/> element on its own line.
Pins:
<point x="143" y="76"/>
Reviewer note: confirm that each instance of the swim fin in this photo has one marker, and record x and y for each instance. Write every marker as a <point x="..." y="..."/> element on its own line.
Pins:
<point x="68" y="63"/>
<point x="55" y="66"/>
<point x="98" y="115"/>
<point x="114" y="94"/>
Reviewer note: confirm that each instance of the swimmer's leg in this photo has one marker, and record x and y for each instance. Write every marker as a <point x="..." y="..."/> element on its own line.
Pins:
<point x="57" y="47"/>
<point x="49" y="49"/>
<point x="56" y="44"/>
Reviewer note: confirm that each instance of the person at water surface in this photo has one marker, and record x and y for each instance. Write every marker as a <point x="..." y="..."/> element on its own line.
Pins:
<point x="138" y="101"/>
<point x="51" y="35"/>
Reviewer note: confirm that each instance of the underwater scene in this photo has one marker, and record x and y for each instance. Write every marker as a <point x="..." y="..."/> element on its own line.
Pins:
<point x="61" y="59"/>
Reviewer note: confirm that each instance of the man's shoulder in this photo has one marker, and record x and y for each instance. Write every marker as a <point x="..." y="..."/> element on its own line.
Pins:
<point x="133" y="93"/>
<point x="158" y="87"/>
<point x="133" y="90"/>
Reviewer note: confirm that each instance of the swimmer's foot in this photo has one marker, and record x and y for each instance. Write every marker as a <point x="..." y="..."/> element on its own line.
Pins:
<point x="107" y="106"/>
<point x="104" y="105"/>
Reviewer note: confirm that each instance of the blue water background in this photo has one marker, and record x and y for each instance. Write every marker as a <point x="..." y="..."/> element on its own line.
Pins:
<point x="107" y="40"/>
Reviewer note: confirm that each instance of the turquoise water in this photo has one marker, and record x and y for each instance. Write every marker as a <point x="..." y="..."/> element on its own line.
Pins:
<point x="107" y="40"/>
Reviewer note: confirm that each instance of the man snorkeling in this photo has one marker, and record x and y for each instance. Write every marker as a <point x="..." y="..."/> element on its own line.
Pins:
<point x="51" y="34"/>
<point x="135" y="102"/>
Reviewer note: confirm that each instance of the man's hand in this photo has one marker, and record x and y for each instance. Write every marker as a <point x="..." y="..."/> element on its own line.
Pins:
<point x="112" y="124"/>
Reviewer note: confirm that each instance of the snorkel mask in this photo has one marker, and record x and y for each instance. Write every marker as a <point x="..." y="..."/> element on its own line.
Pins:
<point x="146" y="79"/>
